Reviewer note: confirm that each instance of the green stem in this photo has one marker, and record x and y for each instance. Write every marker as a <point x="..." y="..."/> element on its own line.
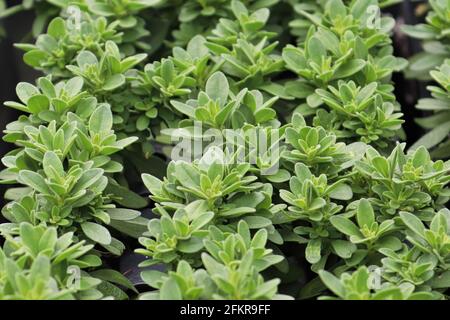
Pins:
<point x="13" y="10"/>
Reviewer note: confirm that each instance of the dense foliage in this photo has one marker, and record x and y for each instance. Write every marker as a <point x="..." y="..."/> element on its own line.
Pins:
<point x="335" y="208"/>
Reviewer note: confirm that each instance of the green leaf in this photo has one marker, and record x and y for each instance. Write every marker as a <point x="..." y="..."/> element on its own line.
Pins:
<point x="38" y="103"/>
<point x="101" y="120"/>
<point x="170" y="290"/>
<point x="142" y="123"/>
<point x="332" y="283"/>
<point x="441" y="281"/>
<point x="316" y="50"/>
<point x="217" y="88"/>
<point x="96" y="232"/>
<point x="413" y="223"/>
<point x="35" y="57"/>
<point x="133" y="228"/>
<point x="88" y="178"/>
<point x="313" y="249"/>
<point x="345" y="226"/>
<point x="123" y="143"/>
<point x="257" y="222"/>
<point x="341" y="192"/>
<point x="57" y="28"/>
<point x="125" y="196"/>
<point x="34" y="180"/>
<point x="190" y="246"/>
<point x="123" y="214"/>
<point x="336" y="9"/>
<point x="52" y="160"/>
<point x="184" y="108"/>
<point x="293" y="58"/>
<point x="420" y="31"/>
<point x="382" y="166"/>
<point x="343" y="249"/>
<point x="152" y="277"/>
<point x="25" y="91"/>
<point x="348" y="69"/>
<point x="74" y="85"/>
<point x="114" y="82"/>
<point x="153" y="184"/>
<point x="86" y="58"/>
<point x="114" y="277"/>
<point x="280" y="176"/>
<point x="365" y="215"/>
<point x="30" y="238"/>
<point x="433" y="137"/>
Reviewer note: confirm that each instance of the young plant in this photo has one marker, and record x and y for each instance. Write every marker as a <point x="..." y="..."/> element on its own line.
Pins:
<point x="358" y="286"/>
<point x="232" y="262"/>
<point x="438" y="123"/>
<point x="343" y="61"/>
<point x="435" y="40"/>
<point x="39" y="265"/>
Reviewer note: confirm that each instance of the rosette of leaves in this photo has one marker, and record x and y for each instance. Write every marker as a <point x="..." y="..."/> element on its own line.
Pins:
<point x="344" y="45"/>
<point x="435" y="40"/>
<point x="80" y="140"/>
<point x="200" y="17"/>
<point x="310" y="195"/>
<point x="101" y="78"/>
<point x="242" y="49"/>
<point x="171" y="80"/>
<point x="233" y="263"/>
<point x="128" y="16"/>
<point x="107" y="78"/>
<point x="318" y="149"/>
<point x="38" y="265"/>
<point x="360" y="285"/>
<point x="124" y="14"/>
<point x="102" y="75"/>
<point x="183" y="283"/>
<point x="223" y="184"/>
<point x="27" y="242"/>
<point x="33" y="283"/>
<point x="57" y="120"/>
<point x="177" y="237"/>
<point x="410" y="265"/>
<point x="60" y="193"/>
<point x="70" y="196"/>
<point x="432" y="241"/>
<point x="85" y="220"/>
<point x="57" y="48"/>
<point x="48" y="102"/>
<point x="438" y="123"/>
<point x="305" y="11"/>
<point x="68" y="259"/>
<point x="263" y="148"/>
<point x="248" y="24"/>
<point x="366" y="236"/>
<point x="313" y="200"/>
<point x="362" y="113"/>
<point x="177" y="76"/>
<point x="399" y="182"/>
<point x="218" y="108"/>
